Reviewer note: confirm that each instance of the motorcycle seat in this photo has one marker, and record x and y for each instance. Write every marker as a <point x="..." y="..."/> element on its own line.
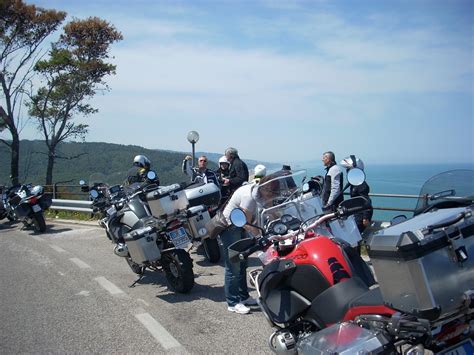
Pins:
<point x="372" y="297"/>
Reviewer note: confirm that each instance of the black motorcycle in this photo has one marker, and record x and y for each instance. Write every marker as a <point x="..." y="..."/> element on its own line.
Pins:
<point x="28" y="203"/>
<point x="5" y="209"/>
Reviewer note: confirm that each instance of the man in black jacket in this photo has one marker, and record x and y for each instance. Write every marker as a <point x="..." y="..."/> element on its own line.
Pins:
<point x="238" y="173"/>
<point x="332" y="189"/>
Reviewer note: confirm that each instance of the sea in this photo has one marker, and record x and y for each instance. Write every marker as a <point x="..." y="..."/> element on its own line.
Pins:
<point x="395" y="179"/>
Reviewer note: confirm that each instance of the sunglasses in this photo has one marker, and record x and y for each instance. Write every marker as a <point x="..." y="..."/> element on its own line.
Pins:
<point x="201" y="160"/>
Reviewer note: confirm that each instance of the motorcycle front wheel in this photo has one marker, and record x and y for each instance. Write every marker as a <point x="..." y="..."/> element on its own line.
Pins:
<point x="178" y="267"/>
<point x="38" y="222"/>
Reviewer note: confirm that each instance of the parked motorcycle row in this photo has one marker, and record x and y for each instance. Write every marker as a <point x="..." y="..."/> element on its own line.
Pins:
<point x="315" y="290"/>
<point x="25" y="203"/>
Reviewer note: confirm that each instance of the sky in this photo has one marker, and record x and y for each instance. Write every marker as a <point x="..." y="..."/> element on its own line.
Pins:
<point x="284" y="81"/>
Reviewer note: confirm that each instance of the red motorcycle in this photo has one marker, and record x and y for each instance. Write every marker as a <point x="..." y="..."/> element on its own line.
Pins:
<point x="321" y="297"/>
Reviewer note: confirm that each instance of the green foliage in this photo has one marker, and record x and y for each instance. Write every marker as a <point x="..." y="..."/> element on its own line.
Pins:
<point x="110" y="160"/>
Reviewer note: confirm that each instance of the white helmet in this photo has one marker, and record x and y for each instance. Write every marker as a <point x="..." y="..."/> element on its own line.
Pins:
<point x="223" y="159"/>
<point x="260" y="171"/>
<point x="142" y="161"/>
<point x="352" y="162"/>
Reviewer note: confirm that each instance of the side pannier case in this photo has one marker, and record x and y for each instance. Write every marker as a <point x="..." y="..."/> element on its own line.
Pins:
<point x="198" y="216"/>
<point x="203" y="194"/>
<point x="141" y="244"/>
<point x="425" y="265"/>
<point x="167" y="200"/>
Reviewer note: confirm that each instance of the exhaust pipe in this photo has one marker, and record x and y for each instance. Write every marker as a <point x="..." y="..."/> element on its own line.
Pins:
<point x="121" y="249"/>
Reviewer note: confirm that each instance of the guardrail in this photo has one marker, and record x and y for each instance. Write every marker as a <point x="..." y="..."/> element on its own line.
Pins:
<point x="71" y="205"/>
<point x="85" y="206"/>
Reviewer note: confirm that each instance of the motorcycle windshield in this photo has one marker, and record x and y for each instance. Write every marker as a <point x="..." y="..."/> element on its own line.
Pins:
<point x="450" y="186"/>
<point x="283" y="195"/>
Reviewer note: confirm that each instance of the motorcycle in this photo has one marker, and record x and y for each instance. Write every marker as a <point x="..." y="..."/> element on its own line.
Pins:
<point x="152" y="226"/>
<point x="321" y="297"/>
<point x="28" y="203"/>
<point x="5" y="209"/>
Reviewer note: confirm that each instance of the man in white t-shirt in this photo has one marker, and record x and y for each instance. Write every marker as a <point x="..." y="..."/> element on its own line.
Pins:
<point x="235" y="282"/>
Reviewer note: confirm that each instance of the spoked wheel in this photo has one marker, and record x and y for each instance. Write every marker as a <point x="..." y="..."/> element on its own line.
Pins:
<point x="137" y="269"/>
<point x="178" y="267"/>
<point x="211" y="250"/>
<point x="39" y="223"/>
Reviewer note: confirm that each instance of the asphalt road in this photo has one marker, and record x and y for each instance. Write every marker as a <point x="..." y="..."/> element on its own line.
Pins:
<point x="65" y="291"/>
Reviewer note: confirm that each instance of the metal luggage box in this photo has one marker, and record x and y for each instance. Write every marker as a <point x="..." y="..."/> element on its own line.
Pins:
<point x="198" y="216"/>
<point x="167" y="200"/>
<point x="142" y="245"/>
<point x="424" y="270"/>
<point x="203" y="194"/>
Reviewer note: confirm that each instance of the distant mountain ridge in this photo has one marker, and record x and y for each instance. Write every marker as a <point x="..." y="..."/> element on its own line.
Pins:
<point x="108" y="159"/>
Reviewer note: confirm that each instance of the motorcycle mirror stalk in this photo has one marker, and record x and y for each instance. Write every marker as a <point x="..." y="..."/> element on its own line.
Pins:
<point x="239" y="219"/>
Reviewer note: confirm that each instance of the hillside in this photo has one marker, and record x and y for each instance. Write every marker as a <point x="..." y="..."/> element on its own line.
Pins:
<point x="111" y="160"/>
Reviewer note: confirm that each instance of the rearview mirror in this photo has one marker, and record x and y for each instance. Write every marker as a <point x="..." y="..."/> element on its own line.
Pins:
<point x="94" y="194"/>
<point x="151" y="175"/>
<point x="356" y="177"/>
<point x="238" y="218"/>
<point x="82" y="182"/>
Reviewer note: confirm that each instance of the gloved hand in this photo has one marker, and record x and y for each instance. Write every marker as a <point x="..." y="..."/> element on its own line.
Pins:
<point x="327" y="208"/>
<point x="188" y="157"/>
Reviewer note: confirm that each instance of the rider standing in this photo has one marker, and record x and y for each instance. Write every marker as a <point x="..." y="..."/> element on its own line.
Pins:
<point x="332" y="189"/>
<point x="201" y="173"/>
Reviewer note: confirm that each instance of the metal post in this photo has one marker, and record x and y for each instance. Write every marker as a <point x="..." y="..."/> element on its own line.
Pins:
<point x="193" y="137"/>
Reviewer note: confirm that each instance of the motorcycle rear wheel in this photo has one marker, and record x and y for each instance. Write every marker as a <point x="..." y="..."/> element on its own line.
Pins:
<point x="212" y="250"/>
<point x="178" y="267"/>
<point x="39" y="223"/>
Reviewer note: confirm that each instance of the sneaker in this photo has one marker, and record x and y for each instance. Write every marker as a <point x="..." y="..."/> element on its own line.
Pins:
<point x="239" y="308"/>
<point x="249" y="301"/>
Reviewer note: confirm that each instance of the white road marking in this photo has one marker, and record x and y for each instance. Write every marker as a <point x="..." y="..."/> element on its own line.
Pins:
<point x="158" y="332"/>
<point x="83" y="293"/>
<point x="80" y="263"/>
<point x="108" y="286"/>
<point x="143" y="301"/>
<point x="58" y="249"/>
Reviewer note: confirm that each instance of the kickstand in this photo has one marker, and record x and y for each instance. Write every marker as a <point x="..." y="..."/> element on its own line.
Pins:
<point x="137" y="280"/>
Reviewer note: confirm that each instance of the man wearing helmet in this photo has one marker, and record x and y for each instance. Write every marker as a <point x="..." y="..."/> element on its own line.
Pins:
<point x="332" y="189"/>
<point x="201" y="173"/>
<point x="137" y="173"/>
<point x="362" y="219"/>
<point x="223" y="173"/>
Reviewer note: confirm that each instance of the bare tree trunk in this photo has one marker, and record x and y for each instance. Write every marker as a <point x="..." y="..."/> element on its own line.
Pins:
<point x="15" y="157"/>
<point x="49" y="169"/>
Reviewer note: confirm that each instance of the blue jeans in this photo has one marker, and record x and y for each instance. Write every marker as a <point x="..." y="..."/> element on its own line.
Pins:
<point x="235" y="282"/>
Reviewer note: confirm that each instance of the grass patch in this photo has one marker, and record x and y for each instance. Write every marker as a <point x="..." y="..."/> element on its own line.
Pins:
<point x="72" y="215"/>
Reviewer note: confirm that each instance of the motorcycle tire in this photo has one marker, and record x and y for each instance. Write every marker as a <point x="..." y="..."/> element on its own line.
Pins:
<point x="11" y="217"/>
<point x="137" y="269"/>
<point x="178" y="267"/>
<point x="38" y="222"/>
<point x="212" y="250"/>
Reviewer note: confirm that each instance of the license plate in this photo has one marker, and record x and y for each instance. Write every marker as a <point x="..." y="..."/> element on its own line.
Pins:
<point x="36" y="208"/>
<point x="466" y="347"/>
<point x="179" y="237"/>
